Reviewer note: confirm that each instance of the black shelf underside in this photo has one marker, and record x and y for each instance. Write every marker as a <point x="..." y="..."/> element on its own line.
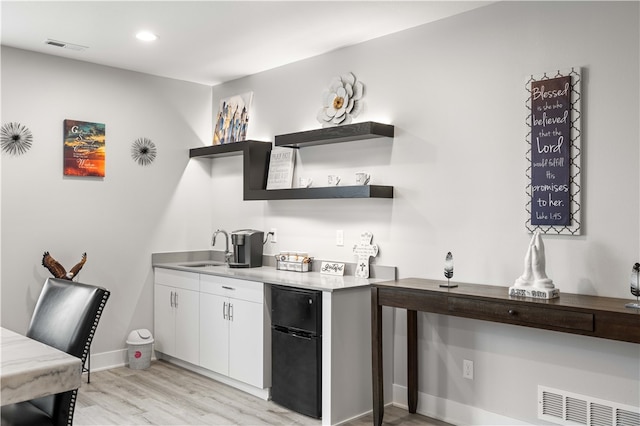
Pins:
<point x="225" y="150"/>
<point x="355" y="191"/>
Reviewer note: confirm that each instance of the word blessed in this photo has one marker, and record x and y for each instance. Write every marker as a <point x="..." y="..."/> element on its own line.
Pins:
<point x="540" y="93"/>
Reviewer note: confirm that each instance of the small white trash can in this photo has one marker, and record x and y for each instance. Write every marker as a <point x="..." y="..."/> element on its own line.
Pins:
<point x="140" y="346"/>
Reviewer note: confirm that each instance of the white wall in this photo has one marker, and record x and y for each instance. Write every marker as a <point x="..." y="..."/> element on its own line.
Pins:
<point x="119" y="220"/>
<point x="454" y="90"/>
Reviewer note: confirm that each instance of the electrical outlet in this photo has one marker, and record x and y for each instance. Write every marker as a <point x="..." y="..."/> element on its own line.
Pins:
<point x="274" y="235"/>
<point x="467" y="369"/>
<point x="339" y="237"/>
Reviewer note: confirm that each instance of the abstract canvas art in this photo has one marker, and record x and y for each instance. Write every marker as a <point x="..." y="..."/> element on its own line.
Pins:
<point x="232" y="119"/>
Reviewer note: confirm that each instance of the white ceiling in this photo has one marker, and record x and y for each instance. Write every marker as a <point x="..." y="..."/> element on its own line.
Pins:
<point x="210" y="42"/>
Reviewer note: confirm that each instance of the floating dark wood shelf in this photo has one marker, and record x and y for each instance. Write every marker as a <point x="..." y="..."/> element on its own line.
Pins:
<point x="356" y="191"/>
<point x="256" y="162"/>
<point x="346" y="133"/>
<point x="225" y="150"/>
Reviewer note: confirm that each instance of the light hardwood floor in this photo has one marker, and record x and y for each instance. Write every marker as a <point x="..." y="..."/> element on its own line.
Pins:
<point x="166" y="394"/>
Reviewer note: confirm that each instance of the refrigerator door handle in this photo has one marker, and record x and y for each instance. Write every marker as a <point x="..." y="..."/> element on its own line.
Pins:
<point x="301" y="336"/>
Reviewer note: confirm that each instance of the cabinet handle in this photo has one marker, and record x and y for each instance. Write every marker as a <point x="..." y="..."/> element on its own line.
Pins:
<point x="228" y="288"/>
<point x="224" y="310"/>
<point x="171" y="299"/>
<point x="176" y="298"/>
<point x="230" y="312"/>
<point x="512" y="312"/>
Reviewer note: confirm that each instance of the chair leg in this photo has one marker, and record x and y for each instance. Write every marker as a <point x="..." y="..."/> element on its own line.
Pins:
<point x="87" y="369"/>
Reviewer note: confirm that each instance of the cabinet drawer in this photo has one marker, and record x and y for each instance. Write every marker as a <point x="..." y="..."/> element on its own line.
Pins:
<point x="179" y="279"/>
<point x="251" y="291"/>
<point x="521" y="314"/>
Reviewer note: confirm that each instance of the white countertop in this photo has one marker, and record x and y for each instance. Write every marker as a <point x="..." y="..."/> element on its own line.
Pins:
<point x="271" y="275"/>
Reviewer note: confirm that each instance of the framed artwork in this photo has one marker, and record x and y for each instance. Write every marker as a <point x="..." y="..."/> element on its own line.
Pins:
<point x="232" y="119"/>
<point x="553" y="152"/>
<point x="84" y="148"/>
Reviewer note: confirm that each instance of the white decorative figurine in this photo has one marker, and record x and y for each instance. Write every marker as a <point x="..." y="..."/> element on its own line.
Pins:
<point x="635" y="286"/>
<point x="364" y="250"/>
<point x="448" y="271"/>
<point x="534" y="281"/>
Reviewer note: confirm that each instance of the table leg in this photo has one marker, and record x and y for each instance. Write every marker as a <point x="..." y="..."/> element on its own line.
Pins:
<point x="376" y="359"/>
<point x="412" y="360"/>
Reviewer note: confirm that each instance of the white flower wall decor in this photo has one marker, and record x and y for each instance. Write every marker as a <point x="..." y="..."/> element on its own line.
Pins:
<point x="342" y="101"/>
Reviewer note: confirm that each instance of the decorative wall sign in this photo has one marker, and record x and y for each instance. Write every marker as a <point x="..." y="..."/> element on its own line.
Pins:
<point x="84" y="148"/>
<point x="143" y="151"/>
<point x="232" y="120"/>
<point x="342" y="101"/>
<point x="332" y="268"/>
<point x="15" y="138"/>
<point x="281" y="164"/>
<point x="553" y="152"/>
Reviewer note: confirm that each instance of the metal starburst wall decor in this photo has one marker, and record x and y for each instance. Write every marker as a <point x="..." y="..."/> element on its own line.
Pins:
<point x="15" y="139"/>
<point x="143" y="151"/>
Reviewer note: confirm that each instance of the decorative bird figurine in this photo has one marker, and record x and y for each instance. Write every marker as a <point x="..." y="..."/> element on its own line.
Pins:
<point x="58" y="271"/>
<point x="448" y="270"/>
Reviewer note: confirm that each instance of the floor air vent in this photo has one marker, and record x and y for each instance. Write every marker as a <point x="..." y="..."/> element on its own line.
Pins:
<point x="565" y="408"/>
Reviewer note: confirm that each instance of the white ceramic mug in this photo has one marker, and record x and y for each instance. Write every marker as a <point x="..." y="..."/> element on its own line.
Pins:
<point x="362" y="178"/>
<point x="305" y="182"/>
<point x="333" y="180"/>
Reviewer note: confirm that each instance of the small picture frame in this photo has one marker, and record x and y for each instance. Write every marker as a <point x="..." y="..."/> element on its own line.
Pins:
<point x="281" y="164"/>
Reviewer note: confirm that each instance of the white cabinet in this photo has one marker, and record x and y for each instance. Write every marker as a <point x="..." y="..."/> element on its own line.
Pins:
<point x="233" y="321"/>
<point x="176" y="314"/>
<point x="217" y="325"/>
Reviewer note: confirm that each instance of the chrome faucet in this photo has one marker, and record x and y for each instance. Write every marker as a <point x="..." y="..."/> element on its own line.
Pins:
<point x="227" y="253"/>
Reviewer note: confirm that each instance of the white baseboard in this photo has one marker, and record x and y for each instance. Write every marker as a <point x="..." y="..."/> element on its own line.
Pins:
<point x="451" y="411"/>
<point x="112" y="359"/>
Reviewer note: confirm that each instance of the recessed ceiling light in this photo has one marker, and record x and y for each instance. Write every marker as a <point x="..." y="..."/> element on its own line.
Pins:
<point x="146" y="36"/>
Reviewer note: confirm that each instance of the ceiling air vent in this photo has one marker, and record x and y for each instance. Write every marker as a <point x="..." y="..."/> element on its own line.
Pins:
<point x="65" y="45"/>
<point x="566" y="408"/>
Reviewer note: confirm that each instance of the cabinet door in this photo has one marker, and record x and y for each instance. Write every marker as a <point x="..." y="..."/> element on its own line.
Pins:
<point x="214" y="333"/>
<point x="246" y="342"/>
<point x="187" y="308"/>
<point x="164" y="319"/>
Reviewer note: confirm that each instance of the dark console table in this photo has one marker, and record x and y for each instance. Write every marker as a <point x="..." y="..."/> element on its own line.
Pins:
<point x="592" y="316"/>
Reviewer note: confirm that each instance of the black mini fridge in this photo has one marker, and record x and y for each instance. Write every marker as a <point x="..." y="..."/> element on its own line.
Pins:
<point x="296" y="343"/>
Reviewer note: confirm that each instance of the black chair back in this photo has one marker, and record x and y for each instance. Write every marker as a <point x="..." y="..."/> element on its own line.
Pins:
<point x="66" y="317"/>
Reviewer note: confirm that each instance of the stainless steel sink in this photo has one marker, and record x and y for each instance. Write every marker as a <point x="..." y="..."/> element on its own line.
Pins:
<point x="206" y="264"/>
